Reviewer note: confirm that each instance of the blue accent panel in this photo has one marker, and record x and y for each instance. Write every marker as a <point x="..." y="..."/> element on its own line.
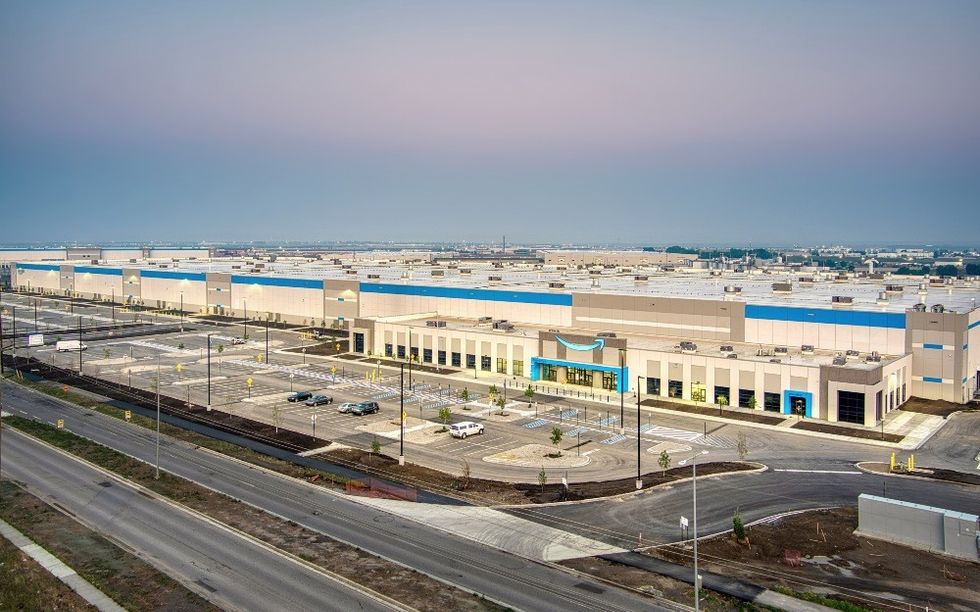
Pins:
<point x="189" y="276"/>
<point x="272" y="281"/>
<point x="598" y="344"/>
<point x="931" y="379"/>
<point x="889" y="320"/>
<point x="787" y="405"/>
<point x="33" y="266"/>
<point x="537" y="362"/>
<point x="490" y="295"/>
<point x="974" y="324"/>
<point x="97" y="270"/>
<point x="932" y="346"/>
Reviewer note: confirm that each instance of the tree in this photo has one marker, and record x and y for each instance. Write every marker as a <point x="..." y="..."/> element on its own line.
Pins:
<point x="529" y="393"/>
<point x="664" y="461"/>
<point x="106" y="353"/>
<point x="375" y="446"/>
<point x="464" y="395"/>
<point x="444" y="414"/>
<point x="221" y="348"/>
<point x="500" y="403"/>
<point x="742" y="445"/>
<point x="542" y="478"/>
<point x="972" y="269"/>
<point x="464" y="478"/>
<point x="492" y="392"/>
<point x="947" y="270"/>
<point x="722" y="400"/>
<point x="180" y="346"/>
<point x="556" y="435"/>
<point x="738" y="526"/>
<point x="753" y="404"/>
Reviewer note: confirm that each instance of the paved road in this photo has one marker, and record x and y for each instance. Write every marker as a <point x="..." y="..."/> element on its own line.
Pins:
<point x="500" y="576"/>
<point x="656" y="513"/>
<point x="231" y="571"/>
<point x="957" y="445"/>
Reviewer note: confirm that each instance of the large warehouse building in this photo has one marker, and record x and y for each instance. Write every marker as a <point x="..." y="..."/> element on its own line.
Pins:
<point x="840" y="348"/>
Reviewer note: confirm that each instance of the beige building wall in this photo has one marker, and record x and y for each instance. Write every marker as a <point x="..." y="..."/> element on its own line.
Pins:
<point x="678" y="317"/>
<point x="384" y="305"/>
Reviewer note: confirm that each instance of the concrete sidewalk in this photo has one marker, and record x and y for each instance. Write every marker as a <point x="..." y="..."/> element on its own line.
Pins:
<point x="59" y="570"/>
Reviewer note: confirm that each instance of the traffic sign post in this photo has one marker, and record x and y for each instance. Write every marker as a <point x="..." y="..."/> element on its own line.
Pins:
<point x="248" y="383"/>
<point x="61" y="423"/>
<point x="128" y="414"/>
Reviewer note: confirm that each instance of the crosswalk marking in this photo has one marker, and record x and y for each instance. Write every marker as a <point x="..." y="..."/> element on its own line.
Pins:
<point x="536" y="423"/>
<point x="613" y="440"/>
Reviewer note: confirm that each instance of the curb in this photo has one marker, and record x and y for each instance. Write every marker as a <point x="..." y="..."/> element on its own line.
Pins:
<point x="860" y="465"/>
<point x="762" y="468"/>
<point x="59" y="569"/>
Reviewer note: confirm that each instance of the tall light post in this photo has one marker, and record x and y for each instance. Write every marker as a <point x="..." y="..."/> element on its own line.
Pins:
<point x="267" y="341"/>
<point x="113" y="305"/>
<point x="401" y="419"/>
<point x="79" y="346"/>
<point x="181" y="311"/>
<point x="1" y="333"/>
<point x="35" y="316"/>
<point x="245" y="306"/>
<point x="639" y="480"/>
<point x="621" y="382"/>
<point x="157" y="474"/>
<point x="209" y="371"/>
<point x="409" y="357"/>
<point x="697" y="576"/>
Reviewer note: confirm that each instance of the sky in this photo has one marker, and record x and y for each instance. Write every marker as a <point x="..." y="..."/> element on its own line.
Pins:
<point x="768" y="122"/>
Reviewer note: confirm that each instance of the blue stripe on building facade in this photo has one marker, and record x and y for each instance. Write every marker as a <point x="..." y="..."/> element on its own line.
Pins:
<point x="272" y="281"/>
<point x="931" y="346"/>
<point x="44" y="267"/>
<point x="974" y="324"/>
<point x="621" y="381"/>
<point x="822" y="315"/>
<point x="931" y="379"/>
<point x="490" y="295"/>
<point x="188" y="276"/>
<point x="96" y="270"/>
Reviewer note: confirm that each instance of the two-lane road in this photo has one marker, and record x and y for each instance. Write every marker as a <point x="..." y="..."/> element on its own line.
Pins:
<point x="220" y="565"/>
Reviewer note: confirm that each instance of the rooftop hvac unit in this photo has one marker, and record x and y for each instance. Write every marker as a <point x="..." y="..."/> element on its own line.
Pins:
<point x="782" y="287"/>
<point x="595" y="272"/>
<point x="688" y="347"/>
<point x="641" y="279"/>
<point x="731" y="356"/>
<point x="438" y="273"/>
<point x="354" y="272"/>
<point x="842" y="300"/>
<point x="874" y="357"/>
<point x="484" y="320"/>
<point x="882" y="297"/>
<point x="504" y="326"/>
<point x="727" y="348"/>
<point x="435" y="323"/>
<point x="606" y="334"/>
<point x="840" y="360"/>
<point x="807" y="349"/>
<point x="498" y="322"/>
<point x="465" y="271"/>
<point x="733" y="290"/>
<point x="374" y="276"/>
<point x="495" y="278"/>
<point x="852" y="353"/>
<point x="938" y="308"/>
<point x="775" y="360"/>
<point x="556" y="285"/>
<point x="781" y="350"/>
<point x="919" y="307"/>
<point x="346" y="267"/>
<point x="806" y="280"/>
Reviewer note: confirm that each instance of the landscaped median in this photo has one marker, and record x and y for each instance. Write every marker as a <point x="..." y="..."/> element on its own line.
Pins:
<point x="404" y="585"/>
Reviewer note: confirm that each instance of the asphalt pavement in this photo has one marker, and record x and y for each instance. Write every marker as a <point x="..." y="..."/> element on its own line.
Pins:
<point x="225" y="568"/>
<point x="506" y="578"/>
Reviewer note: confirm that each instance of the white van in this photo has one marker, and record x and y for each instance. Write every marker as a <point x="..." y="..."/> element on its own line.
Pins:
<point x="466" y="428"/>
<point x="69" y="345"/>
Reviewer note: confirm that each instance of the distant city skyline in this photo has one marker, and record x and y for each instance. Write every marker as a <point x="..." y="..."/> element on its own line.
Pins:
<point x="705" y="123"/>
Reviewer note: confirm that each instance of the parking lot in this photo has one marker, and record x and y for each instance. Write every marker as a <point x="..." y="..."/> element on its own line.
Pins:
<point x="245" y="382"/>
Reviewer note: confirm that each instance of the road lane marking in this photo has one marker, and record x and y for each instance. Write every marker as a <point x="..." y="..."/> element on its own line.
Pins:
<point x="816" y="471"/>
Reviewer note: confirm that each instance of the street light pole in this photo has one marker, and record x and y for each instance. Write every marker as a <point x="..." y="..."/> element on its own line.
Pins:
<point x="409" y="357"/>
<point x="35" y="316"/>
<point x="79" y="345"/>
<point x="209" y="371"/>
<point x="622" y="392"/>
<point x="697" y="577"/>
<point x="181" y="311"/>
<point x="267" y="341"/>
<point x="245" y="306"/>
<point x="1" y="333"/>
<point x="157" y="475"/>
<point x="401" y="419"/>
<point x="639" y="480"/>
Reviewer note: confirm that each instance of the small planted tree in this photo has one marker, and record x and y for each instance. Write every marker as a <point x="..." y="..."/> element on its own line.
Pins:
<point x="375" y="446"/>
<point x="444" y="414"/>
<point x="464" y="395"/>
<point x="464" y="477"/>
<point x="742" y="445"/>
<point x="529" y="394"/>
<point x="492" y="392"/>
<point x="542" y="478"/>
<point x="501" y="403"/>
<point x="753" y="404"/>
<point x="180" y="346"/>
<point x="276" y="417"/>
<point x="738" y="527"/>
<point x="556" y="435"/>
<point x="664" y="462"/>
<point x="106" y="353"/>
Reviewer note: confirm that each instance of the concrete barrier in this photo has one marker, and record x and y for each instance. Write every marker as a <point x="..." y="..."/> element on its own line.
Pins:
<point x="926" y="527"/>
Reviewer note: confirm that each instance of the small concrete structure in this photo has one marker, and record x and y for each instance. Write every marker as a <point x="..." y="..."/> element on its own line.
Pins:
<point x="926" y="527"/>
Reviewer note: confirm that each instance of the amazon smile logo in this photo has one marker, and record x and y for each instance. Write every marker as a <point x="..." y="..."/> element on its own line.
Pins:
<point x="599" y="343"/>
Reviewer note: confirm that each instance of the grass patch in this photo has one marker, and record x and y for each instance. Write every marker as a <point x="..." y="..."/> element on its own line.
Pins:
<point x="830" y="602"/>
<point x="28" y="586"/>
<point x="127" y="579"/>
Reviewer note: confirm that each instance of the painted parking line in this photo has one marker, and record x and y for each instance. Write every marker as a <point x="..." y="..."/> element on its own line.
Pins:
<point x="817" y="471"/>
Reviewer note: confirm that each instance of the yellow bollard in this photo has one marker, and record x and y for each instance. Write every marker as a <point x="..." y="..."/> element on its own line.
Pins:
<point x="908" y="464"/>
<point x="911" y="462"/>
<point x="891" y="463"/>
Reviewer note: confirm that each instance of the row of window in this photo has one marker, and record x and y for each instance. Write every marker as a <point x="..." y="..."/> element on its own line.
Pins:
<point x="455" y="359"/>
<point x="722" y="395"/>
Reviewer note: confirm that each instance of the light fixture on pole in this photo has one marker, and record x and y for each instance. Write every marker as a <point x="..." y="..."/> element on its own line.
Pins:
<point x="697" y="576"/>
<point x="639" y="480"/>
<point x="401" y="419"/>
<point x="620" y="382"/>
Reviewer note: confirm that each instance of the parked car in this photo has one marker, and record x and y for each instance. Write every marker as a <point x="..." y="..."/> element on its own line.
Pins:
<point x="466" y="428"/>
<point x="238" y="341"/>
<point x="63" y="346"/>
<point x="346" y="407"/>
<point x="299" y="396"/>
<point x="319" y="400"/>
<point x="365" y="408"/>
